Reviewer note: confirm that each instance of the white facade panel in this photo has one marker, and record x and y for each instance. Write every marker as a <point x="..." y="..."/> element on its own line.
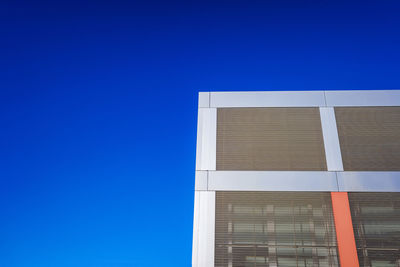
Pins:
<point x="196" y="218"/>
<point x="204" y="230"/>
<point x="272" y="181"/>
<point x="204" y="99"/>
<point x="363" y="98"/>
<point x="369" y="181"/>
<point x="201" y="180"/>
<point x="331" y="139"/>
<point x="267" y="99"/>
<point x="206" y="139"/>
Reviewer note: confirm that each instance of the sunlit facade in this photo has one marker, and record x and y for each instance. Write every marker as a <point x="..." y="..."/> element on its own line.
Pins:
<point x="297" y="178"/>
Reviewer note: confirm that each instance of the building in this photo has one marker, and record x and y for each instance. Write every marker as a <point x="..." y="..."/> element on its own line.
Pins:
<point x="292" y="178"/>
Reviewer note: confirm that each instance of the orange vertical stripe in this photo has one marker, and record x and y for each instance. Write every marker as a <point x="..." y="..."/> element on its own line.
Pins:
<point x="344" y="230"/>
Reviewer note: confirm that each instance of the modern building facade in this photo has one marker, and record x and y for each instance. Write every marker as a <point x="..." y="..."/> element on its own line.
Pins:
<point x="297" y="178"/>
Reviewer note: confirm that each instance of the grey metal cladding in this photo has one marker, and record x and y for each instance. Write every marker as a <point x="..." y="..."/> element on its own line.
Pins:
<point x="369" y="138"/>
<point x="272" y="139"/>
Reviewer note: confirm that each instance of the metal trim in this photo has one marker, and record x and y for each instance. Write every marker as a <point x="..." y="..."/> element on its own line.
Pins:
<point x="331" y="139"/>
<point x="272" y="181"/>
<point x="206" y="139"/>
<point x="369" y="181"/>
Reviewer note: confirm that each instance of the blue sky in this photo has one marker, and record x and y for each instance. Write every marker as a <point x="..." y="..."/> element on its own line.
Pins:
<point x="98" y="110"/>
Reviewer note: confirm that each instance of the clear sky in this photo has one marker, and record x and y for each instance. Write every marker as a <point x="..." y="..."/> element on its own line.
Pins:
<point x="98" y="110"/>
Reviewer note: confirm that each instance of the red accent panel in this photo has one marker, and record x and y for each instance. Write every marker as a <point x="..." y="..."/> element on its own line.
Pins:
<point x="344" y="230"/>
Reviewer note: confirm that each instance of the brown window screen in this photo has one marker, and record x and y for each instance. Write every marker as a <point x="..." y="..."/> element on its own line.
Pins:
<point x="270" y="139"/>
<point x="369" y="138"/>
<point x="376" y="222"/>
<point x="261" y="229"/>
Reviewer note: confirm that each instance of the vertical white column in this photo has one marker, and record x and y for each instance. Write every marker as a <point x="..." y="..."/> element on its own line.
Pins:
<point x="204" y="229"/>
<point x="196" y="218"/>
<point x="206" y="139"/>
<point x="204" y="208"/>
<point x="331" y="139"/>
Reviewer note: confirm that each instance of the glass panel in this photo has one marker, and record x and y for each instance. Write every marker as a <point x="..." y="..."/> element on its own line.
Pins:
<point x="376" y="222"/>
<point x="274" y="229"/>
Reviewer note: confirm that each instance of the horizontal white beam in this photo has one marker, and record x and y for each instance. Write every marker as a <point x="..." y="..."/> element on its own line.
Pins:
<point x="369" y="181"/>
<point x="272" y="181"/>
<point x="363" y="98"/>
<point x="301" y="98"/>
<point x="267" y="99"/>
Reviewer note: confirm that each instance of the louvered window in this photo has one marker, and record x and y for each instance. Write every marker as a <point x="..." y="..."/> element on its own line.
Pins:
<point x="270" y="139"/>
<point x="369" y="138"/>
<point x="274" y="229"/>
<point x="376" y="222"/>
